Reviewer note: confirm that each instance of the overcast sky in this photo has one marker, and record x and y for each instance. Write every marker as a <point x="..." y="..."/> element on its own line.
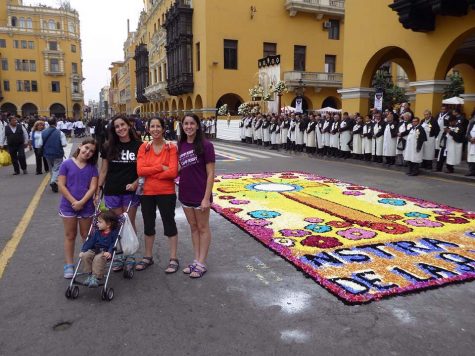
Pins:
<point x="103" y="32"/>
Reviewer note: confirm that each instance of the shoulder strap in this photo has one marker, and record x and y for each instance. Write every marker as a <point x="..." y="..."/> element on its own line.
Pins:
<point x="47" y="137"/>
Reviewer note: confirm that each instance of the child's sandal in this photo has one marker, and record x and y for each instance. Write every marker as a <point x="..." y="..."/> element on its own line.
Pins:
<point x="190" y="267"/>
<point x="172" y="266"/>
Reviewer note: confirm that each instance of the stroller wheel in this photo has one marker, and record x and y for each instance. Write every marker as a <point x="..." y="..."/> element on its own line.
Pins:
<point x="75" y="292"/>
<point x="128" y="273"/>
<point x="103" y="294"/>
<point x="109" y="294"/>
<point x="68" y="293"/>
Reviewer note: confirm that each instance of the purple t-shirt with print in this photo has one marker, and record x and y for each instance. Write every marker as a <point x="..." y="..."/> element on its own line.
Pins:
<point x="77" y="181"/>
<point x="193" y="172"/>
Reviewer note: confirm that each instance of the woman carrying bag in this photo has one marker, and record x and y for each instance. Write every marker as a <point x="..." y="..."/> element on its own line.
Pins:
<point x="157" y="165"/>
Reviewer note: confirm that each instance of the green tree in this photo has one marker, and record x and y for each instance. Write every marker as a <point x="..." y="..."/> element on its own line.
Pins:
<point x="392" y="94"/>
<point x="456" y="86"/>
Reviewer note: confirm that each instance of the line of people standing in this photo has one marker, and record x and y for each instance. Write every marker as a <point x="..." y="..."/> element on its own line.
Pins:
<point x="387" y="137"/>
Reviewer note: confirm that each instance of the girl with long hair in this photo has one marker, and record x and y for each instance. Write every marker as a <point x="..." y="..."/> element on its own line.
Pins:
<point x="197" y="165"/>
<point x="118" y="174"/>
<point x="77" y="182"/>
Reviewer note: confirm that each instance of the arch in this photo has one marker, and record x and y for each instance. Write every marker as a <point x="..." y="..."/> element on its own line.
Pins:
<point x="198" y="102"/>
<point x="167" y="107"/>
<point x="160" y="107"/>
<point x="137" y="110"/>
<point x="232" y="100"/>
<point x="332" y="102"/>
<point x="388" y="54"/>
<point x="57" y="110"/>
<point x="173" y="105"/>
<point x="188" y="104"/>
<point x="77" y="111"/>
<point x="29" y="109"/>
<point x="454" y="54"/>
<point x="181" y="104"/>
<point x="9" y="107"/>
<point x="14" y="21"/>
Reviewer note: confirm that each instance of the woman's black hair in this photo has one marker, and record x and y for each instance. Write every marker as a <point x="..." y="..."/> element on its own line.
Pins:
<point x="111" y="218"/>
<point x="93" y="159"/>
<point x="112" y="150"/>
<point x="199" y="138"/>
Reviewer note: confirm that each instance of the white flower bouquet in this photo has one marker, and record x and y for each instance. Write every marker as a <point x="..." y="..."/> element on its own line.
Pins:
<point x="279" y="88"/>
<point x="223" y="110"/>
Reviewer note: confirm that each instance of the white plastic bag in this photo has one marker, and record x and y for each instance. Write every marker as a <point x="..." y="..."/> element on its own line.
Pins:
<point x="128" y="238"/>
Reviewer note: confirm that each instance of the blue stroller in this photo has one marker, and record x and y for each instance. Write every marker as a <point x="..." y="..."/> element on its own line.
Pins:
<point x="107" y="293"/>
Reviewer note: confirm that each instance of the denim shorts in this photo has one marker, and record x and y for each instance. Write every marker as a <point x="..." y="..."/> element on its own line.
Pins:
<point x="120" y="201"/>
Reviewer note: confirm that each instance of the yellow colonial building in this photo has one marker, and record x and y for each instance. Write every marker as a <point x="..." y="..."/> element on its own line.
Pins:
<point x="427" y="39"/>
<point x="198" y="55"/>
<point x="40" y="55"/>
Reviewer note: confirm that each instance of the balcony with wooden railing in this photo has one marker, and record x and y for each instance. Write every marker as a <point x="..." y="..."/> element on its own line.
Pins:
<point x="331" y="8"/>
<point x="297" y="79"/>
<point x="157" y="91"/>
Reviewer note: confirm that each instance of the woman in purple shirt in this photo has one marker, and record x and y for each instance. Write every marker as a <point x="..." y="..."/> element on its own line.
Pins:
<point x="77" y="182"/>
<point x="197" y="161"/>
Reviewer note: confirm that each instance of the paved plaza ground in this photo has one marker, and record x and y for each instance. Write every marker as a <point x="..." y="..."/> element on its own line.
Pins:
<point x="250" y="302"/>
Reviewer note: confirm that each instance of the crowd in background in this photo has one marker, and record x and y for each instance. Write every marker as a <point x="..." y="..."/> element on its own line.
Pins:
<point x="390" y="137"/>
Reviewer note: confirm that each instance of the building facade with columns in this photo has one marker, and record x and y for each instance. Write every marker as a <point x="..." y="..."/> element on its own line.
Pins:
<point x="428" y="39"/>
<point x="40" y="55"/>
<point x="198" y="55"/>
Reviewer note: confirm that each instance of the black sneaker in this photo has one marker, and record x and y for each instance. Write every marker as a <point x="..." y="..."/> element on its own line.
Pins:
<point x="54" y="187"/>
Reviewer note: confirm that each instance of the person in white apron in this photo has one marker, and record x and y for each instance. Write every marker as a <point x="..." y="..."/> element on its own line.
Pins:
<point x="272" y="128"/>
<point x="346" y="126"/>
<point x="299" y="133"/>
<point x="432" y="129"/>
<point x="284" y="132"/>
<point x="403" y="130"/>
<point x="471" y="148"/>
<point x="335" y="136"/>
<point x="292" y="131"/>
<point x="443" y="122"/>
<point x="451" y="146"/>
<point x="390" y="140"/>
<point x="311" y="135"/>
<point x="357" y="140"/>
<point x="319" y="133"/>
<point x="266" y="131"/>
<point x="248" y="129"/>
<point x="242" y="129"/>
<point x="413" y="152"/>
<point x="327" y="127"/>
<point x="258" y="130"/>
<point x="278" y="136"/>
<point x="367" y="135"/>
<point x="378" y="139"/>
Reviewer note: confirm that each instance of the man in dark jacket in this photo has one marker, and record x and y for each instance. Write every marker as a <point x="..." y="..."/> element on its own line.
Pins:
<point x="16" y="138"/>
<point x="53" y="142"/>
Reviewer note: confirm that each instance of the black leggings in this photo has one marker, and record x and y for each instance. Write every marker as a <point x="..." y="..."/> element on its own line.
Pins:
<point x="166" y="206"/>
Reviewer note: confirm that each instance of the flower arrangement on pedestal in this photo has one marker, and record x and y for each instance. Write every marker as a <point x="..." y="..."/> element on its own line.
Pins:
<point x="223" y="110"/>
<point x="279" y="88"/>
<point x="268" y="97"/>
<point x="244" y="109"/>
<point x="255" y="110"/>
<point x="256" y="92"/>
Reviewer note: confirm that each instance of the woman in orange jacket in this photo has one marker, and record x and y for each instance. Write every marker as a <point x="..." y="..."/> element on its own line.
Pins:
<point x="157" y="164"/>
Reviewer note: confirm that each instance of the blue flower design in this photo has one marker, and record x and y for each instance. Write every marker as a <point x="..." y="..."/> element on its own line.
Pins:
<point x="416" y="214"/>
<point x="264" y="214"/>
<point x="392" y="201"/>
<point x="318" y="228"/>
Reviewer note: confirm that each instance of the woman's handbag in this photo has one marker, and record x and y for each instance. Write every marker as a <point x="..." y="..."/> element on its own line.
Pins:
<point x="5" y="158"/>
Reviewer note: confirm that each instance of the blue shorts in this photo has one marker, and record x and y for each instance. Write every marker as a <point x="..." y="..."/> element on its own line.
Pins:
<point x="121" y="201"/>
<point x="66" y="211"/>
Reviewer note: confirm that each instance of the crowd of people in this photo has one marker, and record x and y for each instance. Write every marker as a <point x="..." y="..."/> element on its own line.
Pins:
<point x="132" y="174"/>
<point x="390" y="137"/>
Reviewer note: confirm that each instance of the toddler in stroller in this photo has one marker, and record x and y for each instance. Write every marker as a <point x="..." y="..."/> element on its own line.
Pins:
<point x="98" y="248"/>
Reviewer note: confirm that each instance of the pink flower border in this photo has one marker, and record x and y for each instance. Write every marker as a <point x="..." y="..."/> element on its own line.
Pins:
<point x="265" y="236"/>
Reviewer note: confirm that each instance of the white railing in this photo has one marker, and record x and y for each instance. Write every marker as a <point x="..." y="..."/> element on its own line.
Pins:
<point x="295" y="79"/>
<point x="324" y="7"/>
